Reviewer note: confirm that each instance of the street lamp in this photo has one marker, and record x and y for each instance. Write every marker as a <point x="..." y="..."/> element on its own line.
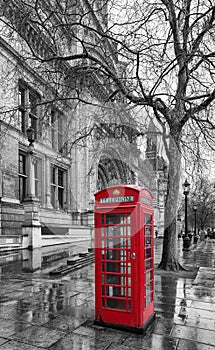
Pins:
<point x="195" y="239"/>
<point x="186" y="241"/>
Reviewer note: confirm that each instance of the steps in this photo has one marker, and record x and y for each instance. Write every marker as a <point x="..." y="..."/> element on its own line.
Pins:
<point x="75" y="263"/>
<point x="9" y="243"/>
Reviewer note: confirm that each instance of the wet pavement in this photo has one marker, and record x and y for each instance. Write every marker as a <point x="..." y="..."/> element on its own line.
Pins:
<point x="39" y="312"/>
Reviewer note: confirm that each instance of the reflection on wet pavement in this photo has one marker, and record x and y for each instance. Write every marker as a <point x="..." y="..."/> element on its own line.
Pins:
<point x="39" y="312"/>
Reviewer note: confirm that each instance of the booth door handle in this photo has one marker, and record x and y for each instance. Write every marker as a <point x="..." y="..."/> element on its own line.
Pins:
<point x="133" y="255"/>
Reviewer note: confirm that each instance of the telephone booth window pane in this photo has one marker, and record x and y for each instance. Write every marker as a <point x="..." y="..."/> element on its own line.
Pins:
<point x="112" y="279"/>
<point x="113" y="267"/>
<point x="148" y="276"/>
<point x="116" y="303"/>
<point x="103" y="279"/>
<point x="148" y="253"/>
<point x="149" y="287"/>
<point x="148" y="299"/>
<point x="129" y="292"/>
<point x="103" y="254"/>
<point x="147" y="230"/>
<point x="122" y="230"/>
<point x="113" y="254"/>
<point x="129" y="268"/>
<point x="112" y="291"/>
<point x="129" y="281"/>
<point x="115" y="219"/>
<point x="129" y="242"/>
<point x="129" y="305"/>
<point x="103" y="219"/>
<point x="123" y="280"/>
<point x="110" y="231"/>
<point x="129" y="219"/>
<point x="122" y="243"/>
<point x="128" y="230"/>
<point x="111" y="243"/>
<point x="103" y="267"/>
<point x="103" y="231"/>
<point x="147" y="241"/>
<point x="123" y="268"/>
<point x="148" y="264"/>
<point x="148" y="219"/>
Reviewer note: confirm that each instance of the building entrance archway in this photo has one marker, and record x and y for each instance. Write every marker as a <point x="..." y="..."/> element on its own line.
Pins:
<point x="112" y="171"/>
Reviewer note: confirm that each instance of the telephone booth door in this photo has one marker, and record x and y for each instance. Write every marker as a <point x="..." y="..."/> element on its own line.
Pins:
<point x="122" y="291"/>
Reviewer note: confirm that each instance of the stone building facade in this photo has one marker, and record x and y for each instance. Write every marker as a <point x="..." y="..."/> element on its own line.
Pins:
<point x="74" y="151"/>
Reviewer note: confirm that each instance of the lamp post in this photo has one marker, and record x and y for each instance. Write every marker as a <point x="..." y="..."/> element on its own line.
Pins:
<point x="195" y="239"/>
<point x="186" y="241"/>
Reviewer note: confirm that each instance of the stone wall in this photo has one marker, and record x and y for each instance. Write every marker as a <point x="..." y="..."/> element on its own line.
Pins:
<point x="12" y="218"/>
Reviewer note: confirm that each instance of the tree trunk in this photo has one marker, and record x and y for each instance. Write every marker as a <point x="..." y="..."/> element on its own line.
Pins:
<point x="169" y="260"/>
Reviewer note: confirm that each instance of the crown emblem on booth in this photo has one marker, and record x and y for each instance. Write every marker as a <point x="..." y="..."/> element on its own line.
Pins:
<point x="116" y="192"/>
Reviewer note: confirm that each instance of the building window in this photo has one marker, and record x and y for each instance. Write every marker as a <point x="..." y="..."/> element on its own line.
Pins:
<point x="58" y="192"/>
<point x="28" y="111"/>
<point x="37" y="177"/>
<point x="22" y="177"/>
<point x="58" y="127"/>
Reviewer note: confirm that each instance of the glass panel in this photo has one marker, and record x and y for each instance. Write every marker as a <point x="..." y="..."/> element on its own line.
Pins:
<point x="103" y="243"/>
<point x="103" y="231"/>
<point x="53" y="196"/>
<point x="147" y="230"/>
<point x="129" y="292"/>
<point x="147" y="218"/>
<point x="103" y="219"/>
<point x="103" y="278"/>
<point x="113" y="243"/>
<point x="123" y="280"/>
<point x="113" y="254"/>
<point x="148" y="253"/>
<point x="128" y="230"/>
<point x="113" y="267"/>
<point x="115" y="291"/>
<point x="148" y="276"/>
<point x="148" y="299"/>
<point x="103" y="254"/>
<point x="60" y="177"/>
<point x="60" y="197"/>
<point x="129" y="219"/>
<point x="129" y="281"/>
<point x="110" y="231"/>
<point x="115" y="218"/>
<point x="112" y="279"/>
<point x="148" y="288"/>
<point x="123" y="254"/>
<point x="129" y="305"/>
<point x="148" y="264"/>
<point x="116" y="231"/>
<point x="53" y="175"/>
<point x="122" y="243"/>
<point x="116" y="304"/>
<point x="147" y="241"/>
<point x="129" y="268"/>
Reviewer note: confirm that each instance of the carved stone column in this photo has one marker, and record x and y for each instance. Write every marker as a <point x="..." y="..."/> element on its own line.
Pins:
<point x="31" y="229"/>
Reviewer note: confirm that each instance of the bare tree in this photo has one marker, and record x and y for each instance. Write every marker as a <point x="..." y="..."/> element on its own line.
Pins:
<point x="154" y="54"/>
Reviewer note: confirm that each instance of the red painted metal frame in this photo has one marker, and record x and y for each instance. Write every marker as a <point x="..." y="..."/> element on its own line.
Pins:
<point x="133" y="262"/>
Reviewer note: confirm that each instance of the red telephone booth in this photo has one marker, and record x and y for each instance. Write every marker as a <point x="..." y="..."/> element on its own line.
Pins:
<point x="124" y="258"/>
